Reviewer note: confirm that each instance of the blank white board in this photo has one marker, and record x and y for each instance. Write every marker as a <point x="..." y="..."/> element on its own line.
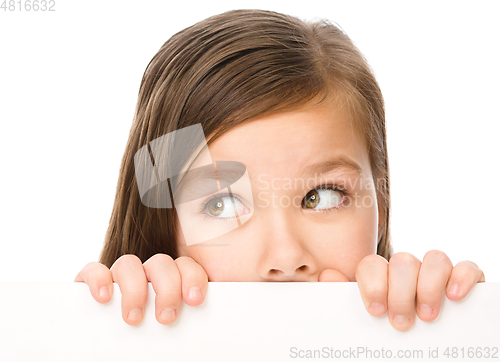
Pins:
<point x="241" y="322"/>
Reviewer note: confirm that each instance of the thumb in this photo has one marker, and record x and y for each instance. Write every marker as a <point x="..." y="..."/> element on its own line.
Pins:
<point x="330" y="275"/>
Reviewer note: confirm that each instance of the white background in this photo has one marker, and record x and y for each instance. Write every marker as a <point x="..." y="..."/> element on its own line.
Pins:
<point x="68" y="87"/>
<point x="240" y="322"/>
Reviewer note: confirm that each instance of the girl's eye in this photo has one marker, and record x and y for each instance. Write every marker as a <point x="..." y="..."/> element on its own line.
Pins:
<point x="222" y="207"/>
<point x="323" y="198"/>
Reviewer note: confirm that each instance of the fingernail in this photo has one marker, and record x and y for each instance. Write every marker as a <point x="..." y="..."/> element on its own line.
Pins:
<point x="377" y="308"/>
<point x="425" y="310"/>
<point x="455" y="288"/>
<point x="401" y="321"/>
<point x="194" y="293"/>
<point x="104" y="292"/>
<point x="167" y="315"/>
<point x="135" y="314"/>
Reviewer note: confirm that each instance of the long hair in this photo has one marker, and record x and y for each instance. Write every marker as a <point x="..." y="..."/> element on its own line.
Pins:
<point x="225" y="70"/>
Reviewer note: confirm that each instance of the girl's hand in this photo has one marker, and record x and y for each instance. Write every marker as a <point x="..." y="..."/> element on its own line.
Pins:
<point x="404" y="282"/>
<point x="172" y="281"/>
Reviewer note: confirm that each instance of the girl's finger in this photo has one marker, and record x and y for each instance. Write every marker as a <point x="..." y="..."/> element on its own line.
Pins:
<point x="161" y="270"/>
<point x="331" y="275"/>
<point x="432" y="278"/>
<point x="403" y="275"/>
<point x="371" y="275"/>
<point x="128" y="272"/>
<point x="463" y="277"/>
<point x="99" y="279"/>
<point x="194" y="280"/>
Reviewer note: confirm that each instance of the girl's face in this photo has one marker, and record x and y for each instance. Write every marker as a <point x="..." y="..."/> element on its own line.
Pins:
<point x="297" y="229"/>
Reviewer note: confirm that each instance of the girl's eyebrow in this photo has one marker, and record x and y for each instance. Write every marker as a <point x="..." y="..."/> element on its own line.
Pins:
<point x="338" y="162"/>
<point x="203" y="181"/>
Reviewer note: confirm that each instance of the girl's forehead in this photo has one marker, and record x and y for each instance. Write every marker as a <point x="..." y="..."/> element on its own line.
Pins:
<point x="284" y="143"/>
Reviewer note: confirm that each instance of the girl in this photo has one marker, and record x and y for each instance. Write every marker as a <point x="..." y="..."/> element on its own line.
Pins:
<point x="294" y="184"/>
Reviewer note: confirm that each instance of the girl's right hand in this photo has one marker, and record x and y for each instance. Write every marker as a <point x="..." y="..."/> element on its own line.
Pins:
<point x="172" y="280"/>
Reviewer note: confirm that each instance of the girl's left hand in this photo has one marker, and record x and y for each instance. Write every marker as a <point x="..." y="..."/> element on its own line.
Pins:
<point x="404" y="284"/>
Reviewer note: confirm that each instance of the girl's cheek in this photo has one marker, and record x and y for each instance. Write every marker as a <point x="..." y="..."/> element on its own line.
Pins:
<point x="354" y="240"/>
<point x="221" y="263"/>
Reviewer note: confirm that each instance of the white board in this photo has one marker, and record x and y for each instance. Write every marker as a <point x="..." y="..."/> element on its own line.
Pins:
<point x="239" y="322"/>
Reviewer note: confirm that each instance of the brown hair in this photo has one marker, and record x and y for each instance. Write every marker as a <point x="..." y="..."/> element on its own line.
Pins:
<point x="223" y="71"/>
